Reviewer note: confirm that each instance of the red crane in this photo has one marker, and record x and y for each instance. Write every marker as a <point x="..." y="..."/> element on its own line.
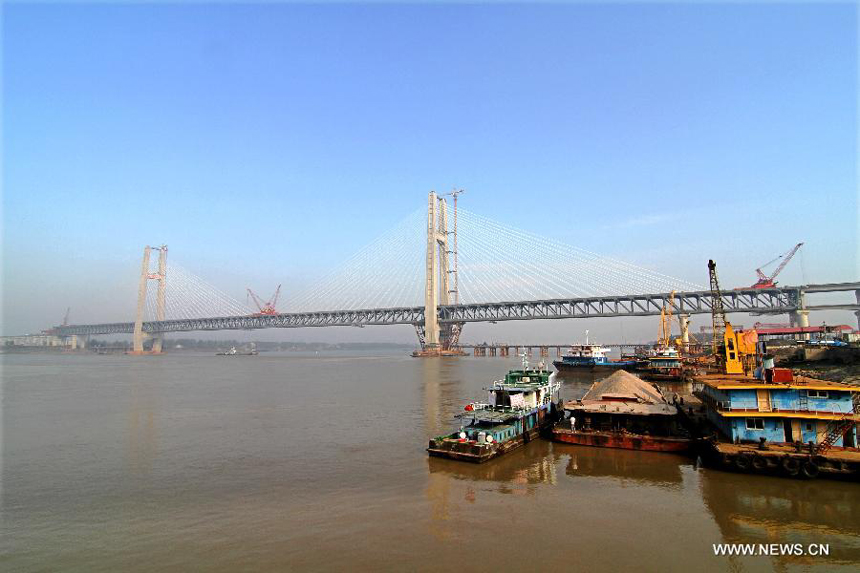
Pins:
<point x="268" y="307"/>
<point x="765" y="281"/>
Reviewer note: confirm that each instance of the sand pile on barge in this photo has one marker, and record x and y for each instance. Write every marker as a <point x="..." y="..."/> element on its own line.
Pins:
<point x="623" y="385"/>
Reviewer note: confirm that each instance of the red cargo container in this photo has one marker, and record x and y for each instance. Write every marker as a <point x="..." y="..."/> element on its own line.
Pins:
<point x="778" y="375"/>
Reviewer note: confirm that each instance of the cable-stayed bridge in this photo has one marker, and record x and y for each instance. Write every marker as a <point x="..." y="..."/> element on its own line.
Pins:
<point x="438" y="272"/>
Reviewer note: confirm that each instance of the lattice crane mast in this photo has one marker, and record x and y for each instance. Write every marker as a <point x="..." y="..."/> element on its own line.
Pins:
<point x="718" y="314"/>
<point x="765" y="281"/>
<point x="268" y="307"/>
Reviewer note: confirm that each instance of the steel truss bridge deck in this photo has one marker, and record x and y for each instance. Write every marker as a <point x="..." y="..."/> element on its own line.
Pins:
<point x="778" y="300"/>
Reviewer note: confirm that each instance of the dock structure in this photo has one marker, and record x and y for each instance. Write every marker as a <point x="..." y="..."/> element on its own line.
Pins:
<point x="783" y="459"/>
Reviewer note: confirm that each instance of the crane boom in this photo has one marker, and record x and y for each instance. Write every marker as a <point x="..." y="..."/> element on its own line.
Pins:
<point x="765" y="281"/>
<point x="267" y="307"/>
<point x="784" y="262"/>
<point x="666" y="321"/>
<point x="274" y="301"/>
<point x="718" y="314"/>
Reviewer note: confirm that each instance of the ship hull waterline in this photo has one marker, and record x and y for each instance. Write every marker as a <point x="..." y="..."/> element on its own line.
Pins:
<point x="625" y="441"/>
<point x="463" y="451"/>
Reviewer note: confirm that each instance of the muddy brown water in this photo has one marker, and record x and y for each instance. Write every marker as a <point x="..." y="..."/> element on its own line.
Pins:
<point x="286" y="462"/>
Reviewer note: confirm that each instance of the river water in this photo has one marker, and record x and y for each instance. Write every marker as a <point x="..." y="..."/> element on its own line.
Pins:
<point x="282" y="462"/>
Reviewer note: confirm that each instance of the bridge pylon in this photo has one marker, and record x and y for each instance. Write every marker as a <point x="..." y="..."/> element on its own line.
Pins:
<point x="437" y="339"/>
<point x="145" y="277"/>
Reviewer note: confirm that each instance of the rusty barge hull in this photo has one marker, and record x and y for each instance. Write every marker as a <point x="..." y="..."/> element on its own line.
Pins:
<point x="623" y="441"/>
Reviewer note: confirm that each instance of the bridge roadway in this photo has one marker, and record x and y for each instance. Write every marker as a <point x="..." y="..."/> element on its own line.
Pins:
<point x="777" y="300"/>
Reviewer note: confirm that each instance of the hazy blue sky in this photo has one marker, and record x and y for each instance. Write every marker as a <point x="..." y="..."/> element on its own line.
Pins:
<point x="265" y="143"/>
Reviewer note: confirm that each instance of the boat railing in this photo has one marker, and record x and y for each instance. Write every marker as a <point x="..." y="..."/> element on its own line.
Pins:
<point x="726" y="406"/>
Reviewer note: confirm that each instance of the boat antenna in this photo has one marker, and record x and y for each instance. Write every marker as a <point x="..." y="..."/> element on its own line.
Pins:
<point x="586" y="337"/>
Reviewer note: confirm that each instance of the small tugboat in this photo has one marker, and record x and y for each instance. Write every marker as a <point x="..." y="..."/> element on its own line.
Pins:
<point x="518" y="409"/>
<point x="592" y="357"/>
<point x="623" y="411"/>
<point x="233" y="352"/>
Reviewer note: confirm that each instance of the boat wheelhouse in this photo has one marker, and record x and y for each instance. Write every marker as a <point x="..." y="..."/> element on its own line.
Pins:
<point x="664" y="364"/>
<point x="518" y="409"/>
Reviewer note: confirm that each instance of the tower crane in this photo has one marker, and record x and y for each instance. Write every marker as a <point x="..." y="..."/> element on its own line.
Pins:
<point x="267" y="307"/>
<point x="765" y="281"/>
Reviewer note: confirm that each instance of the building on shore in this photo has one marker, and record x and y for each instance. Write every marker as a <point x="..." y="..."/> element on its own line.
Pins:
<point x="28" y="340"/>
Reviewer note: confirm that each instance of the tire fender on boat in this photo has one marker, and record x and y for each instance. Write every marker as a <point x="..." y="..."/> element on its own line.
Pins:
<point x="810" y="470"/>
<point x="790" y="466"/>
<point x="759" y="463"/>
<point x="743" y="462"/>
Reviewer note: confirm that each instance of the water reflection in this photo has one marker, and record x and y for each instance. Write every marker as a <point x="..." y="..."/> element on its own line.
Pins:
<point x="141" y="438"/>
<point x="756" y="509"/>
<point x="648" y="468"/>
<point x="514" y="473"/>
<point x="442" y="382"/>
<point x="517" y="474"/>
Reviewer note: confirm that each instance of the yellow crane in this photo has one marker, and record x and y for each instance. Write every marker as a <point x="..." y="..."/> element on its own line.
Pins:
<point x="666" y="321"/>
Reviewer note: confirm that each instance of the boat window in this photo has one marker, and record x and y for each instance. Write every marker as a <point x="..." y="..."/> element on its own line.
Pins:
<point x="817" y="393"/>
<point x="755" y="423"/>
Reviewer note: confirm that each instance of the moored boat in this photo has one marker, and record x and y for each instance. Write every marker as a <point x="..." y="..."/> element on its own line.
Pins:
<point x="664" y="364"/>
<point x="518" y="409"/>
<point x="592" y="357"/>
<point x="623" y="411"/>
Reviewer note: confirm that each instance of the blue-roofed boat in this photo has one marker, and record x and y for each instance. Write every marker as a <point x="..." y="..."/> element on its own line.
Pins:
<point x="593" y="357"/>
<point x="518" y="409"/>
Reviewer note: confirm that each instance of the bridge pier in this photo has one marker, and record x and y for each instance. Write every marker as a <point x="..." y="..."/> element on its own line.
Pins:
<point x="857" y="312"/>
<point x="684" y="320"/>
<point x="800" y="318"/>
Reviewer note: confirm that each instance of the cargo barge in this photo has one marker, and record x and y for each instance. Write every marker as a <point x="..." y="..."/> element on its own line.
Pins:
<point x="623" y="411"/>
